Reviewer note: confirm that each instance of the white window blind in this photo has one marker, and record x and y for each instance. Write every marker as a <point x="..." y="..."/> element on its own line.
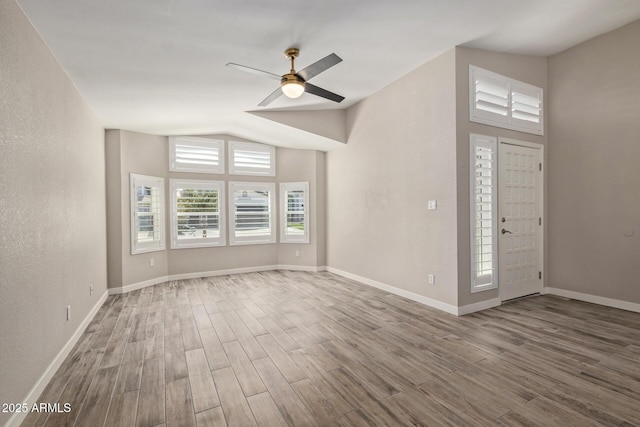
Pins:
<point x="251" y="213"/>
<point x="147" y="213"/>
<point x="197" y="213"/>
<point x="294" y="216"/>
<point x="195" y="154"/>
<point x="500" y="101"/>
<point x="483" y="212"/>
<point x="248" y="158"/>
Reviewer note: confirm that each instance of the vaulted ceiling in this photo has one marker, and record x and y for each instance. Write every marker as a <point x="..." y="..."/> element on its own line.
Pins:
<point x="158" y="66"/>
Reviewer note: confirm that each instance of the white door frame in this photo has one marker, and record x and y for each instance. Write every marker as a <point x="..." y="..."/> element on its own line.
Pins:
<point x="540" y="249"/>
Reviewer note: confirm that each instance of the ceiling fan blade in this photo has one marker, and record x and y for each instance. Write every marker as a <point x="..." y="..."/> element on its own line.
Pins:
<point x="315" y="90"/>
<point x="319" y="66"/>
<point x="272" y="97"/>
<point x="255" y="71"/>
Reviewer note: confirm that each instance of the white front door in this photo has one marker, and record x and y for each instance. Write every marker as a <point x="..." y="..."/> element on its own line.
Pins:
<point x="519" y="219"/>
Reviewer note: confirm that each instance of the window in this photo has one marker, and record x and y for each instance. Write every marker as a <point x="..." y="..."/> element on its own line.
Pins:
<point x="194" y="154"/>
<point x="483" y="212"/>
<point x="249" y="158"/>
<point x="500" y="101"/>
<point x="294" y="214"/>
<point x="197" y="209"/>
<point x="251" y="213"/>
<point x="147" y="213"/>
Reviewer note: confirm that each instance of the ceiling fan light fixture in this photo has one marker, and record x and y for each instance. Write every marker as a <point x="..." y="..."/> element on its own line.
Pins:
<point x="292" y="86"/>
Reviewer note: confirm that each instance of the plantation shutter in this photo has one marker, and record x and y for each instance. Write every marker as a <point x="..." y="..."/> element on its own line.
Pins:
<point x="497" y="100"/>
<point x="526" y="106"/>
<point x="251" y="213"/>
<point x="251" y="159"/>
<point x="191" y="154"/>
<point x="147" y="213"/>
<point x="294" y="220"/>
<point x="484" y="208"/>
<point x="197" y="209"/>
<point x="490" y="97"/>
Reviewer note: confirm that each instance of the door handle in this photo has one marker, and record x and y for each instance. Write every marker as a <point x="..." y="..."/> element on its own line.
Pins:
<point x="506" y="231"/>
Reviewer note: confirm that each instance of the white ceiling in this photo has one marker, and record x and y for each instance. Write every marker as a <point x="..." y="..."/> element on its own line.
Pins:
<point x="158" y="66"/>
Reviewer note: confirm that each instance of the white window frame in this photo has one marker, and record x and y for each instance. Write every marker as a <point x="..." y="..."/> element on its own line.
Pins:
<point x="236" y="168"/>
<point x="486" y="281"/>
<point x="286" y="237"/>
<point x="235" y="239"/>
<point x="201" y="241"/>
<point x="206" y="146"/>
<point x="506" y="112"/>
<point x="157" y="186"/>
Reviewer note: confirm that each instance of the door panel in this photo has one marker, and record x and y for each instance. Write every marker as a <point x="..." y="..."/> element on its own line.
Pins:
<point x="520" y="238"/>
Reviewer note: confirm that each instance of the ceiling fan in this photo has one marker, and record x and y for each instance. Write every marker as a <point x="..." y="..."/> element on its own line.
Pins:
<point x="294" y="84"/>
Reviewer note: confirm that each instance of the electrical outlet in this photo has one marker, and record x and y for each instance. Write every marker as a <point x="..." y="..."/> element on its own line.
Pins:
<point x="432" y="205"/>
<point x="297" y="253"/>
<point x="432" y="279"/>
<point x="90" y="289"/>
<point x="68" y="312"/>
<point x="152" y="262"/>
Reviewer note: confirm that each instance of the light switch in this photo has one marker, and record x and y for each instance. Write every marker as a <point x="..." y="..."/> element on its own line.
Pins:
<point x="432" y="205"/>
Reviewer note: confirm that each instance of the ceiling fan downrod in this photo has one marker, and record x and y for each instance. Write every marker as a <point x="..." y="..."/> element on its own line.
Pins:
<point x="292" y="53"/>
<point x="292" y="84"/>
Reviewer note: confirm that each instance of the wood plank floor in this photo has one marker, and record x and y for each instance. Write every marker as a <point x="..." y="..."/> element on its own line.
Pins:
<point x="304" y="349"/>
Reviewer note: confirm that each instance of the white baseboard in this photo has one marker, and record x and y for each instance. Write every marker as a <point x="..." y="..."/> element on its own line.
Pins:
<point x="200" y="274"/>
<point x="451" y="309"/>
<point x="302" y="268"/>
<point x="197" y="275"/>
<point x="44" y="379"/>
<point x="139" y="285"/>
<point x="609" y="302"/>
<point x="478" y="306"/>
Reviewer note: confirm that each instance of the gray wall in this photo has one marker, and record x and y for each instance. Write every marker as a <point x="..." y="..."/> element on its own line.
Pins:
<point x="528" y="69"/>
<point x="298" y="166"/>
<point x="401" y="151"/>
<point x="52" y="207"/>
<point x="594" y="153"/>
<point x="131" y="152"/>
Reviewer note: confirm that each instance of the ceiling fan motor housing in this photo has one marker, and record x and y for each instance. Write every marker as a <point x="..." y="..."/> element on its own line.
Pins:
<point x="291" y="78"/>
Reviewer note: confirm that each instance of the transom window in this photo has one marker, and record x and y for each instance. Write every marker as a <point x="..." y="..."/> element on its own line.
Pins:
<point x="497" y="100"/>
<point x="196" y="154"/>
<point x="250" y="158"/>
